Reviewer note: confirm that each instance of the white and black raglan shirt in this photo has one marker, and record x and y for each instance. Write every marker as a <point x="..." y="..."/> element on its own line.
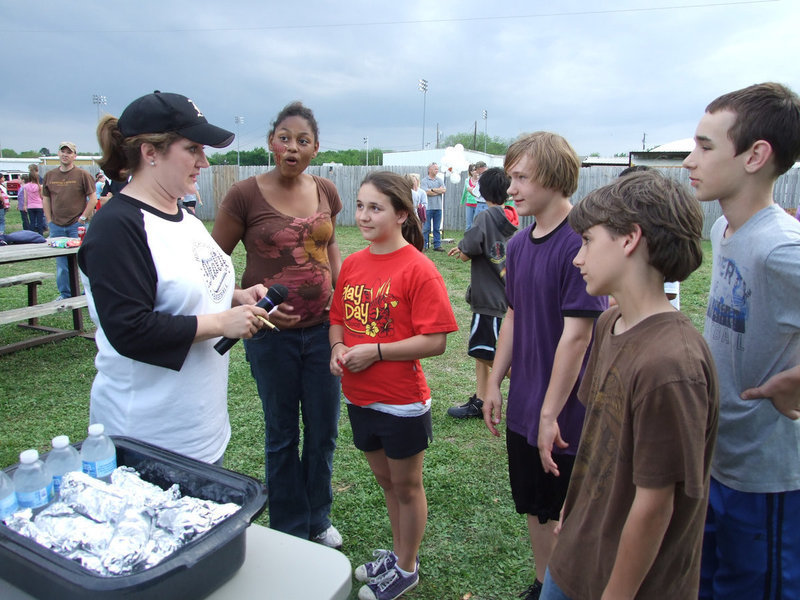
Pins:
<point x="147" y="274"/>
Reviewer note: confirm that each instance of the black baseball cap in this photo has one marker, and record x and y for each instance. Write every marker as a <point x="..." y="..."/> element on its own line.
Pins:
<point x="163" y="112"/>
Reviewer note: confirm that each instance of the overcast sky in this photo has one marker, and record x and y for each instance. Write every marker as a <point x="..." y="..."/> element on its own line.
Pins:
<point x="600" y="73"/>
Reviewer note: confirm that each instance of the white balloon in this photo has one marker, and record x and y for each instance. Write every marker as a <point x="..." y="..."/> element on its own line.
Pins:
<point x="455" y="177"/>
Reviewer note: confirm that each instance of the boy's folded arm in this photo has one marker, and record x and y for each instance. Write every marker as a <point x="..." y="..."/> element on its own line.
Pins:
<point x="782" y="389"/>
<point x="641" y="539"/>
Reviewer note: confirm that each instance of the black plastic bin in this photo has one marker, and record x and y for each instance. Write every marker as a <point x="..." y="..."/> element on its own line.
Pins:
<point x="194" y="571"/>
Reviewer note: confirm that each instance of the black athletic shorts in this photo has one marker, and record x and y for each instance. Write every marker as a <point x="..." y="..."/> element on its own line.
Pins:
<point x="400" y="437"/>
<point x="534" y="491"/>
<point x="483" y="334"/>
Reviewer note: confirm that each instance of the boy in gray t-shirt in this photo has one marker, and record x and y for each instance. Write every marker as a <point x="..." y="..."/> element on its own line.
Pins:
<point x="744" y="142"/>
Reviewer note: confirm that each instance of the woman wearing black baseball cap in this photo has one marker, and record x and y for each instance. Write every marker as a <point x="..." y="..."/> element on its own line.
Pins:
<point x="159" y="288"/>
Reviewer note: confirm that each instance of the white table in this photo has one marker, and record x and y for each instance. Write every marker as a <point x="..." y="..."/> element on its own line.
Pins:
<point x="277" y="566"/>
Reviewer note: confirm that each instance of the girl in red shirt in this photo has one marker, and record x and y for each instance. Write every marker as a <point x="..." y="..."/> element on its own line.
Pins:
<point x="390" y="309"/>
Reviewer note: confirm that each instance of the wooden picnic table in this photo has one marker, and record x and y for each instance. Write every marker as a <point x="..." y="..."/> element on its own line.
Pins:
<point x="15" y="253"/>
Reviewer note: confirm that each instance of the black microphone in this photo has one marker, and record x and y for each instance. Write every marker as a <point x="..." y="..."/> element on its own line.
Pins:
<point x="275" y="295"/>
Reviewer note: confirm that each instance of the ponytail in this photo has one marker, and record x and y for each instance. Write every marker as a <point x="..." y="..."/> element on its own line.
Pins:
<point x="114" y="162"/>
<point x="123" y="156"/>
<point x="412" y="231"/>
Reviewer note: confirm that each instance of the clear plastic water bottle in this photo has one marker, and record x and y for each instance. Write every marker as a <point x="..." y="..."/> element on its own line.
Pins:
<point x="62" y="459"/>
<point x="98" y="454"/>
<point x="32" y="481"/>
<point x="8" y="496"/>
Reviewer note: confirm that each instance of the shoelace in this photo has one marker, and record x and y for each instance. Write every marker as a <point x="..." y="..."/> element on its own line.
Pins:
<point x="386" y="579"/>
<point x="382" y="556"/>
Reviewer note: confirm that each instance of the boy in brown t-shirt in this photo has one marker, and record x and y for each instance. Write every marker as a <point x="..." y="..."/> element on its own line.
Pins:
<point x="632" y="524"/>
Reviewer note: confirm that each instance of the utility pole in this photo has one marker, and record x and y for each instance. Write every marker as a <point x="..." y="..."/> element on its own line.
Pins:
<point x="423" y="87"/>
<point x="485" y="121"/>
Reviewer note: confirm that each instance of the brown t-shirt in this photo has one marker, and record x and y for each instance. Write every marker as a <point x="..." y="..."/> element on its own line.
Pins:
<point x="292" y="251"/>
<point x="68" y="192"/>
<point x="651" y="420"/>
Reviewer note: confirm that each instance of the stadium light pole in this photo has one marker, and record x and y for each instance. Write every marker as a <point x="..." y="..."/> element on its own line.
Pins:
<point x="366" y="143"/>
<point x="97" y="100"/>
<point x="238" y="121"/>
<point x="423" y="87"/>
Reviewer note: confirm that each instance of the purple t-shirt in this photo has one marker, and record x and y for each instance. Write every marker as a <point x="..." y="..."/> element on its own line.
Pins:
<point x="543" y="287"/>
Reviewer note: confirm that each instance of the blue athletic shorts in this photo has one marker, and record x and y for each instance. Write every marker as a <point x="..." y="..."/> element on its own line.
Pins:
<point x="751" y="545"/>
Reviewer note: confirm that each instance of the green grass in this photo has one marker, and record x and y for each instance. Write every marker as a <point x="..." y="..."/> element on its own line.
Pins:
<point x="475" y="545"/>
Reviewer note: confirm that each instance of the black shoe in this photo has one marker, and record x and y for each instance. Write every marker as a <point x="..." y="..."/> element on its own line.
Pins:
<point x="439" y="249"/>
<point x="471" y="408"/>
<point x="533" y="591"/>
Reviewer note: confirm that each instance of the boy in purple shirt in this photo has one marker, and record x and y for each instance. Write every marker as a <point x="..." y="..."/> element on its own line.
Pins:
<point x="544" y="339"/>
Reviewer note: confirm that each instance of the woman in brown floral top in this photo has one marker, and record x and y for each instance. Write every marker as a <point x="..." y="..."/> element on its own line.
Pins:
<point x="286" y="219"/>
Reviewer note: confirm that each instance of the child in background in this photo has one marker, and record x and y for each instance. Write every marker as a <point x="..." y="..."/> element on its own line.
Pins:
<point x="468" y="196"/>
<point x="23" y="210"/>
<point x="485" y="245"/>
<point x="544" y="338"/>
<point x="33" y="204"/>
<point x="632" y="523"/>
<point x="190" y="201"/>
<point x="419" y="196"/>
<point x="99" y="184"/>
<point x="390" y="309"/>
<point x="4" y="204"/>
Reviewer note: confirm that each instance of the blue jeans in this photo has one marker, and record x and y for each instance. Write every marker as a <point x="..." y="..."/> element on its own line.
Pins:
<point x="470" y="213"/>
<point x="2" y="219"/>
<point x="434" y="220"/>
<point x="292" y="372"/>
<point x="26" y="224"/>
<point x="550" y="591"/>
<point x="482" y="206"/>
<point x="36" y="220"/>
<point x="62" y="265"/>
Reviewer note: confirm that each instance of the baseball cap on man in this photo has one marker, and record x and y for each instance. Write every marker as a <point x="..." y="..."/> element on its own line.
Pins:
<point x="163" y="112"/>
<point x="69" y="145"/>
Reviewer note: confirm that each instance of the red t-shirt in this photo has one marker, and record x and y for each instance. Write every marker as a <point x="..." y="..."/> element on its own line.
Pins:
<point x="383" y="298"/>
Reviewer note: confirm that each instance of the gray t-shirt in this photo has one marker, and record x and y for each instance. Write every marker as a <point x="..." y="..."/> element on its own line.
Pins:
<point x="753" y="329"/>
<point x="431" y="183"/>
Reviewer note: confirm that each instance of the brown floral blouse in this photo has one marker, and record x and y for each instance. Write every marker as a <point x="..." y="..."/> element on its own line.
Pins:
<point x="292" y="251"/>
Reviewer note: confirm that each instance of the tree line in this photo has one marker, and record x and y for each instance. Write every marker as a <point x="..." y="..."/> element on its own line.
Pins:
<point x="9" y="153"/>
<point x="260" y="156"/>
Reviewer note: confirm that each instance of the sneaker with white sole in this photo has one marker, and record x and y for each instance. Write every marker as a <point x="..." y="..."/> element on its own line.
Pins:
<point x="384" y="560"/>
<point x="392" y="584"/>
<point x="330" y="538"/>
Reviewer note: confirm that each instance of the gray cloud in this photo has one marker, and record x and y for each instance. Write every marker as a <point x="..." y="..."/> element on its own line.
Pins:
<point x="601" y="78"/>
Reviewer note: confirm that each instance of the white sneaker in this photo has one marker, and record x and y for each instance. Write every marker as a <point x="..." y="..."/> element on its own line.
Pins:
<point x="330" y="538"/>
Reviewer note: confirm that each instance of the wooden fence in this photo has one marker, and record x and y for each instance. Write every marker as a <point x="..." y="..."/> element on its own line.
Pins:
<point x="215" y="181"/>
